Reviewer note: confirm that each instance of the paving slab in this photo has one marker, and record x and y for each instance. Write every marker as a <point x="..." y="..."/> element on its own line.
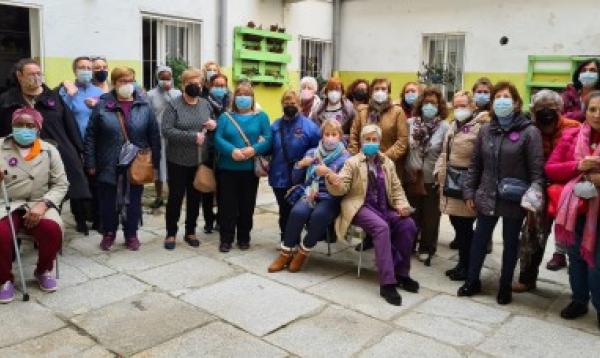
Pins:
<point x="316" y="269"/>
<point x="335" y="332"/>
<point x="140" y="322"/>
<point x="404" y="344"/>
<point x="24" y="320"/>
<point x="362" y="294"/>
<point x="92" y="294"/>
<point x="189" y="273"/>
<point x="149" y="256"/>
<point x="216" y="339"/>
<point x="254" y="303"/>
<point x="462" y="309"/>
<point x="531" y="337"/>
<point x="65" y="342"/>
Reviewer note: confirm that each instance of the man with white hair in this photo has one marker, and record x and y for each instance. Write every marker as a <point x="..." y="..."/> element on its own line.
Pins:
<point x="546" y="106"/>
<point x="158" y="99"/>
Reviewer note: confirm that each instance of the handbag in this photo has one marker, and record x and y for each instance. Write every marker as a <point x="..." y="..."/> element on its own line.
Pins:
<point x="294" y="194"/>
<point x="455" y="177"/>
<point x="554" y="192"/>
<point x="141" y="169"/>
<point x="204" y="181"/>
<point x="261" y="164"/>
<point x="512" y="189"/>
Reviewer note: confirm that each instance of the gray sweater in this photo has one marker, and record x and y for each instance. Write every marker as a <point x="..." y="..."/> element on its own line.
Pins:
<point x="181" y="123"/>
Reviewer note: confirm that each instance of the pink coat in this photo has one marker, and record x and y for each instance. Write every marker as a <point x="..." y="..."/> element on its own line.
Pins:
<point x="561" y="166"/>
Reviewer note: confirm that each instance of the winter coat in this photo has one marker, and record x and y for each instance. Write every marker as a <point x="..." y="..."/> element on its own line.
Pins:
<point x="561" y="166"/>
<point x="300" y="134"/>
<point x="513" y="153"/>
<point x="550" y="141"/>
<point x="460" y="142"/>
<point x="355" y="180"/>
<point x="29" y="182"/>
<point x="425" y="160"/>
<point x="104" y="137"/>
<point x="59" y="128"/>
<point x="345" y="116"/>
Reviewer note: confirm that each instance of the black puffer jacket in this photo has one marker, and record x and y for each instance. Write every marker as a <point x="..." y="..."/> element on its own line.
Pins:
<point x="514" y="153"/>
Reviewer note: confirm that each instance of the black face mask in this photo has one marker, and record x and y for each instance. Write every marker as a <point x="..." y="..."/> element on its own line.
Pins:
<point x="546" y="116"/>
<point x="290" y="111"/>
<point x="192" y="90"/>
<point x="361" y="96"/>
<point x="100" y="76"/>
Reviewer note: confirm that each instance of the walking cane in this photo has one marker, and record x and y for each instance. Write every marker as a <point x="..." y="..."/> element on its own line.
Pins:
<point x="14" y="238"/>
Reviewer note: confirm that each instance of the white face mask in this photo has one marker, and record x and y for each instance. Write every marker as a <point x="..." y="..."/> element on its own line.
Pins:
<point x="461" y="114"/>
<point x="125" y="91"/>
<point x="380" y="96"/>
<point x="334" y="96"/>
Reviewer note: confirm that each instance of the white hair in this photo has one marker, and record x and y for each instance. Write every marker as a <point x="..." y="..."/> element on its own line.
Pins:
<point x="370" y="128"/>
<point x="311" y="81"/>
<point x="547" y="95"/>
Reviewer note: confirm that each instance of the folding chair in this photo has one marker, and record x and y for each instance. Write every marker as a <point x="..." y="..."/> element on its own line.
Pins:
<point x="355" y="232"/>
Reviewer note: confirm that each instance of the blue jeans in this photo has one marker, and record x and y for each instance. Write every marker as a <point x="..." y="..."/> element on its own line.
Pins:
<point x="107" y="198"/>
<point x="511" y="230"/>
<point x="316" y="219"/>
<point x="584" y="280"/>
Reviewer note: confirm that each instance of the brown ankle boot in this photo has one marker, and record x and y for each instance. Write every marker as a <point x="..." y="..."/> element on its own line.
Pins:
<point x="298" y="260"/>
<point x="283" y="260"/>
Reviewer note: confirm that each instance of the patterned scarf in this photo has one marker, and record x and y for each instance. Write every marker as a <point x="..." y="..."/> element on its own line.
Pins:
<point x="322" y="156"/>
<point x="423" y="130"/>
<point x="376" y="109"/>
<point x="566" y="218"/>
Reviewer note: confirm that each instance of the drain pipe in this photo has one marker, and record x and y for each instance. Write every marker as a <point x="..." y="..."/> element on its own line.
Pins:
<point x="222" y="33"/>
<point x="336" y="36"/>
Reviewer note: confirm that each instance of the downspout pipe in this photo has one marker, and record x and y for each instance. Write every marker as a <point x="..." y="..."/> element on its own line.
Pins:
<point x="222" y="32"/>
<point x="336" y="36"/>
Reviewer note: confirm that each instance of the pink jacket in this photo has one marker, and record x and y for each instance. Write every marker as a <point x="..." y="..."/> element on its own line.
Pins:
<point x="561" y="165"/>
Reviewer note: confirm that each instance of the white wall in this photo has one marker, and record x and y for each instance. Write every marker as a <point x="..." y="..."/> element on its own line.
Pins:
<point x="386" y="35"/>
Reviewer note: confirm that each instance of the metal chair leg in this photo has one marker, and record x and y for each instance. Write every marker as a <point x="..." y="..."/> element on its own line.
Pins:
<point x="15" y="242"/>
<point x="328" y="238"/>
<point x="360" y="258"/>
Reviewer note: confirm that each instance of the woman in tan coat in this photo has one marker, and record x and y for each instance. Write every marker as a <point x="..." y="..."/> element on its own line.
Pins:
<point x="36" y="183"/>
<point x="451" y="166"/>
<point x="375" y="201"/>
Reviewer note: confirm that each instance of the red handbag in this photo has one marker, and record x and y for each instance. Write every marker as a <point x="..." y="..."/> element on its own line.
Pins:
<point x="554" y="191"/>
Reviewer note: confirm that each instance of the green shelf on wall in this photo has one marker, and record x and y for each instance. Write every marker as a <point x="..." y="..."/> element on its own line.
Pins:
<point x="260" y="56"/>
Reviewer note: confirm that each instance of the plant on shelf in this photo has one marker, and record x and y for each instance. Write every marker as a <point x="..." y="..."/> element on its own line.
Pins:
<point x="178" y="65"/>
<point x="436" y="75"/>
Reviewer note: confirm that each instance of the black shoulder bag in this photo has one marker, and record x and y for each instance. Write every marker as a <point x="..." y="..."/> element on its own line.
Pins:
<point x="455" y="176"/>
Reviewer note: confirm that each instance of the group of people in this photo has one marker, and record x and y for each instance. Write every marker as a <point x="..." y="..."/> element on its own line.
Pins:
<point x="337" y="157"/>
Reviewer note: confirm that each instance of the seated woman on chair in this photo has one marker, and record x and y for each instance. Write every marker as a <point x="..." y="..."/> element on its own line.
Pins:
<point x="375" y="201"/>
<point x="35" y="180"/>
<point x="315" y="207"/>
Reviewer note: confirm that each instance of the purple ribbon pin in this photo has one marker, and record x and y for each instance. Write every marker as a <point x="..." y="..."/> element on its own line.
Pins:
<point x="514" y="136"/>
<point x="51" y="103"/>
<point x="12" y="162"/>
<point x="465" y="129"/>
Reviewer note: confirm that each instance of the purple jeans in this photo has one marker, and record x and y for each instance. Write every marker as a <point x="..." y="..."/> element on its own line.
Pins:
<point x="392" y="239"/>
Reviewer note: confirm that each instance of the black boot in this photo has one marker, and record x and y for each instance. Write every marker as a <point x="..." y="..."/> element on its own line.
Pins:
<point x="454" y="244"/>
<point x="453" y="270"/>
<point x="469" y="289"/>
<point x="459" y="275"/>
<point x="408" y="284"/>
<point x="389" y="293"/>
<point x="504" y="295"/>
<point x="574" y="310"/>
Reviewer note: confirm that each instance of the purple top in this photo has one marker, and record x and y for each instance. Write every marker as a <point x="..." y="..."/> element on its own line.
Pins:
<point x="376" y="199"/>
<point x="126" y="108"/>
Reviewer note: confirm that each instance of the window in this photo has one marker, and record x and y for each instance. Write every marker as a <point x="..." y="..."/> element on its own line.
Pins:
<point x="315" y="58"/>
<point x="443" y="62"/>
<point x="166" y="40"/>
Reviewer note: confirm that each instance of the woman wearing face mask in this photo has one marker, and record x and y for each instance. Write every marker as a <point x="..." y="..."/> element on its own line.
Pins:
<point x="576" y="156"/>
<point x="408" y="96"/>
<point x="293" y="134"/>
<point x="60" y="128"/>
<point x="186" y="121"/>
<point x="122" y="113"/>
<point x="238" y="185"/>
<point x="209" y="70"/>
<point x="335" y="106"/>
<point x="100" y="73"/>
<point x="427" y="131"/>
<point x="309" y="99"/>
<point x="507" y="160"/>
<point x="455" y="160"/>
<point x="316" y="208"/>
<point x="481" y="94"/>
<point x="374" y="200"/>
<point x="358" y="92"/>
<point x="585" y="80"/>
<point x="159" y="97"/>
<point x="35" y="198"/>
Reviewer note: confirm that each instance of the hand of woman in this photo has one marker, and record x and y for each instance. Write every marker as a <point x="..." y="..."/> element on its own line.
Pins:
<point x="322" y="170"/>
<point x="305" y="162"/>
<point x="237" y="155"/>
<point x="91" y="172"/>
<point x="470" y="204"/>
<point x="248" y="152"/>
<point x="70" y="88"/>
<point x="589" y="163"/>
<point x="34" y="215"/>
<point x="200" y="138"/>
<point x="210" y="125"/>
<point x="404" y="212"/>
<point x="334" y="179"/>
<point x="91" y="102"/>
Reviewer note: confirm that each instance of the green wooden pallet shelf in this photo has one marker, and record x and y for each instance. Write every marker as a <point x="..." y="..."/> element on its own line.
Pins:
<point x="260" y="56"/>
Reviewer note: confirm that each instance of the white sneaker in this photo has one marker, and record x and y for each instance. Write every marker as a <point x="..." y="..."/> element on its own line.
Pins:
<point x="422" y="256"/>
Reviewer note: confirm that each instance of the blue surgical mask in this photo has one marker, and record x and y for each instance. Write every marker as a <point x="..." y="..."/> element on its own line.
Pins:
<point x="218" y="92"/>
<point x="410" y="98"/>
<point x="370" y="149"/>
<point x="588" y="78"/>
<point x="243" y="102"/>
<point x="84" y="76"/>
<point x="429" y="111"/>
<point x="24" y="136"/>
<point x="503" y="107"/>
<point x="482" y="99"/>
<point x="164" y="84"/>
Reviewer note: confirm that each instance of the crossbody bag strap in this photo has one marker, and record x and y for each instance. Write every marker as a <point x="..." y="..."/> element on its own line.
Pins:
<point x="122" y="125"/>
<point x="286" y="156"/>
<point x="236" y="124"/>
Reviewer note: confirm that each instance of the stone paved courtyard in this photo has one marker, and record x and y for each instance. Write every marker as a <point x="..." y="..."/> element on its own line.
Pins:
<point x="201" y="303"/>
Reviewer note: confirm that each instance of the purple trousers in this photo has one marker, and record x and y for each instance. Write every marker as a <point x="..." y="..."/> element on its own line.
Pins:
<point x="393" y="241"/>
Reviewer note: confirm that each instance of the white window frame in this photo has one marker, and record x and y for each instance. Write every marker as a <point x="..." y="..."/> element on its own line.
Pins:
<point x="459" y="73"/>
<point x="311" y="44"/>
<point x="36" y="24"/>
